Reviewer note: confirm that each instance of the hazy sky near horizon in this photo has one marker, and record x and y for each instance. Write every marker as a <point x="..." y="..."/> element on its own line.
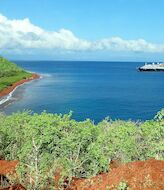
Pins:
<point x="82" y="30"/>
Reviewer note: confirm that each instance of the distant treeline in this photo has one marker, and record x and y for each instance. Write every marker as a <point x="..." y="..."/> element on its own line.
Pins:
<point x="46" y="143"/>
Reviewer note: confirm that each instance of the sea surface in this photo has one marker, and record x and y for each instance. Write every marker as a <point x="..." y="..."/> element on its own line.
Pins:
<point x="90" y="89"/>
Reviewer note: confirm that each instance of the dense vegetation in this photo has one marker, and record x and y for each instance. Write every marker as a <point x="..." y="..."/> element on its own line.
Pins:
<point x="46" y="143"/>
<point x="10" y="73"/>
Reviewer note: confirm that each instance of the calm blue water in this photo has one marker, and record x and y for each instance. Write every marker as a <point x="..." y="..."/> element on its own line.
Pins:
<point x="91" y="90"/>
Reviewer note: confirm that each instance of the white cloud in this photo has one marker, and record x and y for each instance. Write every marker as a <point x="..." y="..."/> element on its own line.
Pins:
<point x="21" y="35"/>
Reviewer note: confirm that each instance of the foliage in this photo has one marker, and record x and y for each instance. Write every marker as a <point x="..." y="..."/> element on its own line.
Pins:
<point x="10" y="73"/>
<point x="46" y="143"/>
<point x="122" y="186"/>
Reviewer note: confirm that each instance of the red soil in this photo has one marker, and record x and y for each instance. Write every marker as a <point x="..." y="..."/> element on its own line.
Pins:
<point x="139" y="175"/>
<point x="15" y="187"/>
<point x="7" y="167"/>
<point x="9" y="89"/>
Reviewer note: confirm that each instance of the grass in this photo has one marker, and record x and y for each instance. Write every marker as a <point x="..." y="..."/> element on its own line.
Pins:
<point x="10" y="73"/>
<point x="8" y="81"/>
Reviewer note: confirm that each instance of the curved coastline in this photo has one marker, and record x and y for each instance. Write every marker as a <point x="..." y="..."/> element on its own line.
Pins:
<point x="6" y="94"/>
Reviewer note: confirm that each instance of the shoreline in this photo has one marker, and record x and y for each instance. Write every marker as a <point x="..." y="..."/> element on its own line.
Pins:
<point x="10" y="89"/>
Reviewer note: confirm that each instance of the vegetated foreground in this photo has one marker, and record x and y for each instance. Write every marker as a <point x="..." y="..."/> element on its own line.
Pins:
<point x="139" y="175"/>
<point x="57" y="152"/>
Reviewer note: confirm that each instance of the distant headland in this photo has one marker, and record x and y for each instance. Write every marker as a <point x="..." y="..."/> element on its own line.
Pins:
<point x="12" y="76"/>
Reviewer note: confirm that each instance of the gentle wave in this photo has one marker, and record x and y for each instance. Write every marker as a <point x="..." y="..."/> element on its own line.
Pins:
<point x="42" y="75"/>
<point x="8" y="97"/>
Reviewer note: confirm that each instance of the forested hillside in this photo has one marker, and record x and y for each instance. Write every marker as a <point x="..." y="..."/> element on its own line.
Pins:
<point x="10" y="73"/>
<point x="46" y="143"/>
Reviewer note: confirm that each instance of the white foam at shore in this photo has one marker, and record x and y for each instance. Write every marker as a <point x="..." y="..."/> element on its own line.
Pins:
<point x="42" y="75"/>
<point x="9" y="96"/>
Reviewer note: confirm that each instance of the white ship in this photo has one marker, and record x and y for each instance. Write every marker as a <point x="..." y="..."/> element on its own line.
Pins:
<point x="152" y="67"/>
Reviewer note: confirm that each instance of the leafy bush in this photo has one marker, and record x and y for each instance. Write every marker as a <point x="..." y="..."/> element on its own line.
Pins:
<point x="122" y="186"/>
<point x="47" y="143"/>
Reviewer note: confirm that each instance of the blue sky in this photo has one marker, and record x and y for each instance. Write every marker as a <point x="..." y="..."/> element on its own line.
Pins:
<point x="132" y="29"/>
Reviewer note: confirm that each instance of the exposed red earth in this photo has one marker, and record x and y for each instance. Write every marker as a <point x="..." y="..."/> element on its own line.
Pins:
<point x="8" y="168"/>
<point x="15" y="187"/>
<point x="9" y="89"/>
<point x="139" y="175"/>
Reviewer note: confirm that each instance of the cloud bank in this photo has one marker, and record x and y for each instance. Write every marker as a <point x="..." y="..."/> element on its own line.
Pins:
<point x="22" y="35"/>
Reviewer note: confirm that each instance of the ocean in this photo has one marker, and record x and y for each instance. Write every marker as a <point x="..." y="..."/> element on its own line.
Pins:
<point x="92" y="90"/>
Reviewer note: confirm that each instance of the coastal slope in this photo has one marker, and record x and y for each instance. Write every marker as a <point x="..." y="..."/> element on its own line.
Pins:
<point x="12" y="76"/>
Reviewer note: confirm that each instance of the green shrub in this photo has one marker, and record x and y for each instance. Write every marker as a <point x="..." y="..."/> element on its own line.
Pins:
<point x="45" y="142"/>
<point x="122" y="186"/>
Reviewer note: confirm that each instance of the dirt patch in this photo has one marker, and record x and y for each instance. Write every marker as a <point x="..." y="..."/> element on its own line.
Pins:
<point x="139" y="175"/>
<point x="8" y="172"/>
<point x="7" y="167"/>
<point x="15" y="187"/>
<point x="9" y="89"/>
